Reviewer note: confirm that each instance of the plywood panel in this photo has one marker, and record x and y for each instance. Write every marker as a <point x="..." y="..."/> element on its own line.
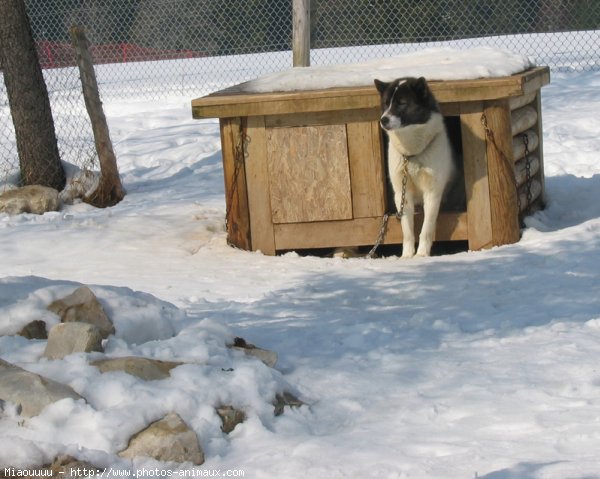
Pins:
<point x="309" y="176"/>
<point x="366" y="169"/>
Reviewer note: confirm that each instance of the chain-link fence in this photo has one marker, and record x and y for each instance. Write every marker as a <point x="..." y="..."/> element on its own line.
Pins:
<point x="153" y="49"/>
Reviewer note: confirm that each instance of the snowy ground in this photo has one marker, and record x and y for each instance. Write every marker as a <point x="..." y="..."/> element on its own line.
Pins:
<point x="479" y="364"/>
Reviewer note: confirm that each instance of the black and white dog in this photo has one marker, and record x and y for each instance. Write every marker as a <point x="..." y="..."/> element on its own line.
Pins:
<point x="419" y="147"/>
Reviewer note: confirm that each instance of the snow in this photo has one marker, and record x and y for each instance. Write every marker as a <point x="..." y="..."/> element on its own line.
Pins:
<point x="432" y="63"/>
<point x="478" y="364"/>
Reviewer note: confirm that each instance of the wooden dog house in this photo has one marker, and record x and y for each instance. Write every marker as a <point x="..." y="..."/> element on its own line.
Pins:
<point x="307" y="169"/>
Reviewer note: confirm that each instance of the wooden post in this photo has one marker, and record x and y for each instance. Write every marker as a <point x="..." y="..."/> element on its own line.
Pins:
<point x="476" y="177"/>
<point x="236" y="214"/>
<point x="301" y="33"/>
<point x="109" y="191"/>
<point x="501" y="174"/>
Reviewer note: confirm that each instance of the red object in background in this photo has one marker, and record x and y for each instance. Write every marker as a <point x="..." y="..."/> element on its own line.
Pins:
<point x="58" y="55"/>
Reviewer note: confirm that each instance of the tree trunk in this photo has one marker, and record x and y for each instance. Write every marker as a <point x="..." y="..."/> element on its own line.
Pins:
<point x="28" y="99"/>
<point x="110" y="190"/>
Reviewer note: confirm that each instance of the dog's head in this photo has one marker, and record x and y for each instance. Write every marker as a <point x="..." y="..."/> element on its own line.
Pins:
<point x="406" y="101"/>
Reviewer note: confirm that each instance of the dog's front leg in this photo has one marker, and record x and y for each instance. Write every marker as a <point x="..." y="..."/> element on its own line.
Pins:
<point x="404" y="202"/>
<point x="408" y="224"/>
<point x="431" y="208"/>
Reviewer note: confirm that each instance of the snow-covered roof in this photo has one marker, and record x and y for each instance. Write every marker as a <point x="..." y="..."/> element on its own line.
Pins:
<point x="432" y="63"/>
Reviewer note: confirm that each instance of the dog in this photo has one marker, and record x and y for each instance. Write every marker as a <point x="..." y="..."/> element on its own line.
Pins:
<point x="417" y="135"/>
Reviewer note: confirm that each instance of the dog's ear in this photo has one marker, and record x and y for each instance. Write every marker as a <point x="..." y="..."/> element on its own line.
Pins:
<point x="380" y="85"/>
<point x="424" y="94"/>
<point x="420" y="88"/>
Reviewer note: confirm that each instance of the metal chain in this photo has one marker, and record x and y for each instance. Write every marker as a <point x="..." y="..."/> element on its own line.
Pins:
<point x="490" y="135"/>
<point x="240" y="156"/>
<point x="386" y="216"/>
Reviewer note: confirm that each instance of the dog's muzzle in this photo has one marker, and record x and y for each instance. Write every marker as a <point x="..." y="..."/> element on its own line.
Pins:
<point x="385" y="121"/>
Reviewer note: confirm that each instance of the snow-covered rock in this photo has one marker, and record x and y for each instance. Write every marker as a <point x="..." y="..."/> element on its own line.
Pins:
<point x="169" y="439"/>
<point x="30" y="391"/>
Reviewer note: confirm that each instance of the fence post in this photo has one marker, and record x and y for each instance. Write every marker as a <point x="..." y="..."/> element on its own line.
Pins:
<point x="301" y="33"/>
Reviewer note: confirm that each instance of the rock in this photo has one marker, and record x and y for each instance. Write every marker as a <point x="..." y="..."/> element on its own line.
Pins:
<point x="30" y="391"/>
<point x="266" y="356"/>
<point x="230" y="417"/>
<point x="35" y="199"/>
<point x="144" y="368"/>
<point x="83" y="306"/>
<point x="74" y="337"/>
<point x="285" y="399"/>
<point x="34" y="330"/>
<point x="168" y="439"/>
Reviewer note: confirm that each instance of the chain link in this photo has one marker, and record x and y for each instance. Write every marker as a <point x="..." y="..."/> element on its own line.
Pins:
<point x="525" y="138"/>
<point x="386" y="216"/>
<point x="240" y="157"/>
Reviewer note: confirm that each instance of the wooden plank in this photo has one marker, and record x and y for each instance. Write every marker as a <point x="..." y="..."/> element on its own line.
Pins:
<point x="501" y="174"/>
<point x="535" y="189"/>
<point x="270" y="104"/>
<point x="257" y="175"/>
<point x="236" y="196"/>
<point x="518" y="143"/>
<point x="540" y="175"/>
<point x="520" y="101"/>
<point x="366" y="169"/>
<point x="236" y="102"/>
<point x="452" y="108"/>
<point x="522" y="119"/>
<point x="309" y="176"/>
<point x="322" y="118"/>
<point x="361" y="232"/>
<point x="476" y="182"/>
<point x="521" y="169"/>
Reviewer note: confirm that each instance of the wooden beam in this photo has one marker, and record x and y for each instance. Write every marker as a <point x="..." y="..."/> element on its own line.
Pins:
<point x="361" y="232"/>
<point x="257" y="181"/>
<point x="501" y="173"/>
<point x="236" y="196"/>
<point x="235" y="101"/>
<point x="476" y="183"/>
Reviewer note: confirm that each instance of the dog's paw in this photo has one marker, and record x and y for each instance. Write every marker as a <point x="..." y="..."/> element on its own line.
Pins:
<point x="424" y="249"/>
<point x="346" y="253"/>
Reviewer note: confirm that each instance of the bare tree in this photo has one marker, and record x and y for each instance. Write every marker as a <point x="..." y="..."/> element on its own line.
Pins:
<point x="39" y="158"/>
<point x="110" y="190"/>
